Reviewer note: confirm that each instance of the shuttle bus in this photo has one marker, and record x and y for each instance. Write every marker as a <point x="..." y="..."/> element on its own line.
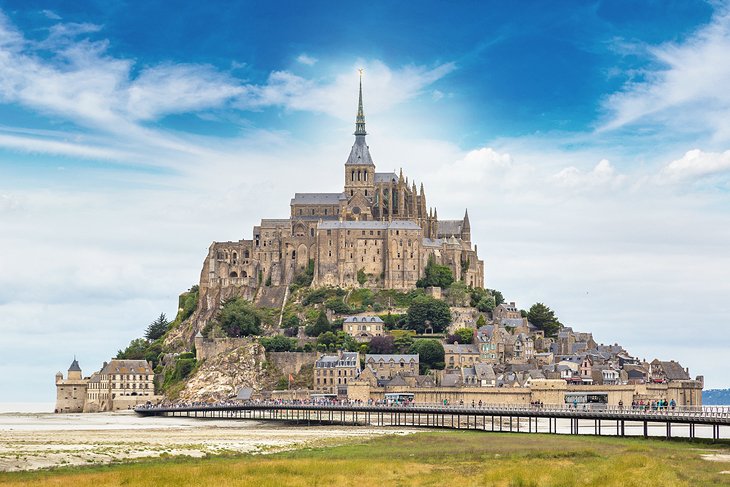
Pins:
<point x="587" y="400"/>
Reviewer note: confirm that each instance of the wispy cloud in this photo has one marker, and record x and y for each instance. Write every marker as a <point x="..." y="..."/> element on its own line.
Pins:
<point x="114" y="99"/>
<point x="306" y="60"/>
<point x="687" y="88"/>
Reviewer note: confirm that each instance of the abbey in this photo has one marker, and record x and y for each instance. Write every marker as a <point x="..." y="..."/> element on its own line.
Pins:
<point x="378" y="229"/>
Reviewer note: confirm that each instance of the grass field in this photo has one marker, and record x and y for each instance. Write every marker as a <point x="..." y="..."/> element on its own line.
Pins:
<point x="434" y="459"/>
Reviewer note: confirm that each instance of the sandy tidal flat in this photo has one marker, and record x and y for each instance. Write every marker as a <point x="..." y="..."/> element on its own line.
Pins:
<point x="34" y="441"/>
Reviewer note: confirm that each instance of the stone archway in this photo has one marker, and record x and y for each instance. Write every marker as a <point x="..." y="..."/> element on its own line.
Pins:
<point x="302" y="256"/>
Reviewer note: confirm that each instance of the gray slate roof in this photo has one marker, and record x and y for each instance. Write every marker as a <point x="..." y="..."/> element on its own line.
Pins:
<point x="371" y="225"/>
<point x="447" y="228"/>
<point x="316" y="199"/>
<point x="385" y="177"/>
<point x="360" y="153"/>
<point x="74" y="367"/>
<point x="363" y="319"/>
<point x="387" y="357"/>
<point x="461" y="348"/>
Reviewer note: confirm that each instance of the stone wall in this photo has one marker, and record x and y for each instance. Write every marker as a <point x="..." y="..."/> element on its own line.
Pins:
<point x="291" y="362"/>
<point x="209" y="348"/>
<point x="684" y="393"/>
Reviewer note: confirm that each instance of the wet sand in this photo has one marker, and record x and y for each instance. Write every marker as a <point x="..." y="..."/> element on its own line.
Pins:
<point x="35" y="441"/>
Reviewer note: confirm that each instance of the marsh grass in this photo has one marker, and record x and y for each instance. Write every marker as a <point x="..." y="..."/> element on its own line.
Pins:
<point x="424" y="459"/>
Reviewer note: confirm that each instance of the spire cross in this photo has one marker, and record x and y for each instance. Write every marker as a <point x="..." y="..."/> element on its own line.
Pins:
<point x="360" y="119"/>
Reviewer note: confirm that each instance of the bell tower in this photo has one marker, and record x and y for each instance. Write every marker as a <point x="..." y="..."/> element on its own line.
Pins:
<point x="359" y="170"/>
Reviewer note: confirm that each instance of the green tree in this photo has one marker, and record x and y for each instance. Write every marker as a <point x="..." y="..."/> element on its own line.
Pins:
<point x="402" y="340"/>
<point x="362" y="278"/>
<point x="544" y="318"/>
<point x="430" y="354"/>
<point x="278" y="343"/>
<point x="498" y="297"/>
<point x="465" y="335"/>
<point x="457" y="294"/>
<point x="425" y="311"/>
<point x="135" y="350"/>
<point x="382" y="344"/>
<point x="436" y="275"/>
<point x="239" y="318"/>
<point x="481" y="321"/>
<point x="487" y="303"/>
<point x="157" y="328"/>
<point x="322" y="325"/>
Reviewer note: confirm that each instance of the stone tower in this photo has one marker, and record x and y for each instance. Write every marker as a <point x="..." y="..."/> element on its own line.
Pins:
<point x="71" y="392"/>
<point x="359" y="171"/>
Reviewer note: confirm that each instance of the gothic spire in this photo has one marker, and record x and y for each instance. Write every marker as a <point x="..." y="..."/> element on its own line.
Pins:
<point x="360" y="120"/>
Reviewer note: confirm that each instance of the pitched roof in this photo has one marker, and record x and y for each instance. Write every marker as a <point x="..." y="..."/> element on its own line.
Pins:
<point x="461" y="348"/>
<point x="385" y="177"/>
<point x="360" y="153"/>
<point x="123" y="366"/>
<point x="387" y="357"/>
<point x="74" y="367"/>
<point x="316" y="199"/>
<point x="447" y="228"/>
<point x="370" y="225"/>
<point x="363" y="319"/>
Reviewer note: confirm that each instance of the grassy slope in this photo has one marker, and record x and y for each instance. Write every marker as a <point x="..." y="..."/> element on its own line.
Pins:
<point x="434" y="458"/>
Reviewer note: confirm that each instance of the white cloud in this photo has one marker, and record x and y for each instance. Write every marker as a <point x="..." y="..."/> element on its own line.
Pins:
<point x="696" y="164"/>
<point x="689" y="91"/>
<point x="165" y="89"/>
<point x="50" y="14"/>
<point x="307" y="60"/>
<point x="602" y="175"/>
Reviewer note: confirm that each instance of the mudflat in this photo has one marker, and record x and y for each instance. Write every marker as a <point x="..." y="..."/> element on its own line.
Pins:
<point x="36" y="441"/>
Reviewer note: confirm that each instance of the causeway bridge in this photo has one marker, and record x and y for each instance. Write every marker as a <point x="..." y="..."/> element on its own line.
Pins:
<point x="681" y="421"/>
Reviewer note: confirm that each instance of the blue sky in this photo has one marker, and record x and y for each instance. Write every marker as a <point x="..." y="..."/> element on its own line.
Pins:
<point x="590" y="141"/>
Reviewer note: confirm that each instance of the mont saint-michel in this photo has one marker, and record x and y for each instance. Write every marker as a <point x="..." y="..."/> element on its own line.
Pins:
<point x="365" y="295"/>
<point x="379" y="229"/>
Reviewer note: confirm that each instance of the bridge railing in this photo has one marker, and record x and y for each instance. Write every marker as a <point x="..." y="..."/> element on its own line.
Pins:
<point x="720" y="412"/>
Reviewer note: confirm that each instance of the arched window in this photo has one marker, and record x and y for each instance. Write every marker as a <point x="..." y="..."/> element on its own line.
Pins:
<point x="352" y="176"/>
<point x="233" y="274"/>
<point x="365" y="176"/>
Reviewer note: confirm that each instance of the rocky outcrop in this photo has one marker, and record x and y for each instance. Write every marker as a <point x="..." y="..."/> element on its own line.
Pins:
<point x="223" y="375"/>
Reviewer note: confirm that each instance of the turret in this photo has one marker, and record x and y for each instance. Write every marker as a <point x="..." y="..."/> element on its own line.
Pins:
<point x="359" y="168"/>
<point x="74" y="371"/>
<point x="466" y="228"/>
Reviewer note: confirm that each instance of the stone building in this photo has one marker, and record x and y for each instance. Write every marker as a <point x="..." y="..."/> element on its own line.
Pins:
<point x="71" y="392"/>
<point x="458" y="355"/>
<point x="363" y="328"/>
<point x="378" y="228"/>
<point x="387" y="366"/>
<point x="332" y="372"/>
<point x="120" y="384"/>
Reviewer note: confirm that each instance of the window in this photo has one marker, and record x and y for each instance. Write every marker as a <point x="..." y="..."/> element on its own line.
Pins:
<point x="300" y="211"/>
<point x="366" y="191"/>
<point x="325" y="211"/>
<point x="311" y="232"/>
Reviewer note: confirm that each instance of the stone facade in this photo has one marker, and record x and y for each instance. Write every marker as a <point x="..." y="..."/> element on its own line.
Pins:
<point x="363" y="328"/>
<point x="120" y="384"/>
<point x="71" y="392"/>
<point x="332" y="372"/>
<point x="378" y="227"/>
<point x="387" y="366"/>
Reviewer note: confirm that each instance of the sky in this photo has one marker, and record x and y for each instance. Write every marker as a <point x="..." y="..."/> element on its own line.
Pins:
<point x="590" y="142"/>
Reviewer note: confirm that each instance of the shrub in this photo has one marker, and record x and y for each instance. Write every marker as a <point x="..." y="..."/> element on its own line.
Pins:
<point x="239" y="318"/>
<point x="278" y="343"/>
<point x="425" y="310"/>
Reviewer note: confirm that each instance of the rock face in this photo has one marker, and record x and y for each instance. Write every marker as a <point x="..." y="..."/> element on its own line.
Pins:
<point x="223" y="375"/>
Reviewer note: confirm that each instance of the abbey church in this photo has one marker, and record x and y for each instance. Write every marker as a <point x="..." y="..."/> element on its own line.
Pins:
<point x="378" y="228"/>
